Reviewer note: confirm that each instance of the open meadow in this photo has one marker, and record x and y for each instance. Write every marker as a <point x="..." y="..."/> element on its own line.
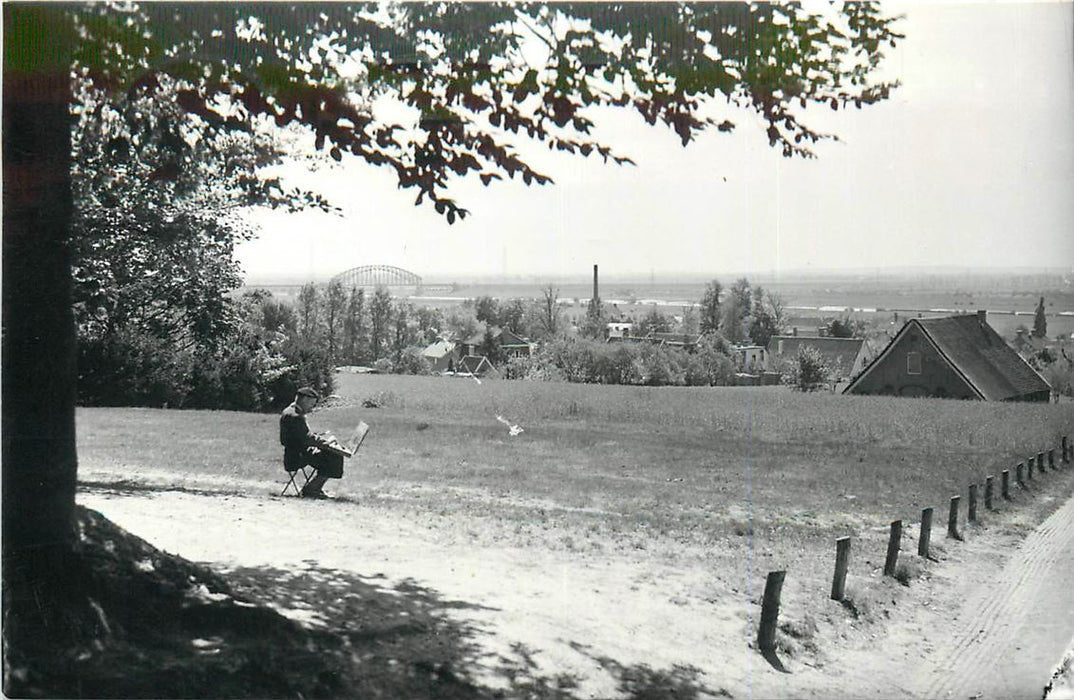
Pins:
<point x="727" y="482"/>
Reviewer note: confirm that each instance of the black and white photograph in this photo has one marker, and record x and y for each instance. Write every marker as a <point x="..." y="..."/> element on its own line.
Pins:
<point x="538" y="351"/>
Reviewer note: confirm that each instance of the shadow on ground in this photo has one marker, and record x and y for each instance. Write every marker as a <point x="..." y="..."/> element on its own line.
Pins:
<point x="118" y="618"/>
<point x="403" y="641"/>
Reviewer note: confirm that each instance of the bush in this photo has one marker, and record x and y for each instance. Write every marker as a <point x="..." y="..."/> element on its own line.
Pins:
<point x="245" y="374"/>
<point x="861" y="603"/>
<point x="411" y="361"/>
<point x="807" y="371"/>
<point x="709" y="365"/>
<point x="596" y="362"/>
<point x="133" y="369"/>
<point x="661" y="366"/>
<point x="1060" y="374"/>
<point x="908" y="570"/>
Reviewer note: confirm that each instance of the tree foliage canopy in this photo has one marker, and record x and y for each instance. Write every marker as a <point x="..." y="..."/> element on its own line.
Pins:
<point x="467" y="78"/>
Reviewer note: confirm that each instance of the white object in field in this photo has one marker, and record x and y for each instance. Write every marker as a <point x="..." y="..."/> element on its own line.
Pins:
<point x="512" y="429"/>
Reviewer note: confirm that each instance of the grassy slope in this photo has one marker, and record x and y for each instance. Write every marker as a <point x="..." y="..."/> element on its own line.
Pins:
<point x="765" y="476"/>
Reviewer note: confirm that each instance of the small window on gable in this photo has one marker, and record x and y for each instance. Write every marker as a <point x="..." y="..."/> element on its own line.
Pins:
<point x="913" y="363"/>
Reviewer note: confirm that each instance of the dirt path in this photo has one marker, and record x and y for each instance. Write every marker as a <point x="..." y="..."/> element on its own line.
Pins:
<point x="1014" y="628"/>
<point x="588" y="616"/>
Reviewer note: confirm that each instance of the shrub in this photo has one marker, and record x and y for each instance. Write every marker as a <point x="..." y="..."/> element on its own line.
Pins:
<point x="661" y="367"/>
<point x="908" y="570"/>
<point x="411" y="361"/>
<point x="797" y="634"/>
<point x="808" y="372"/>
<point x="709" y="365"/>
<point x="518" y="368"/>
<point x="244" y="374"/>
<point x="128" y="368"/>
<point x="860" y="603"/>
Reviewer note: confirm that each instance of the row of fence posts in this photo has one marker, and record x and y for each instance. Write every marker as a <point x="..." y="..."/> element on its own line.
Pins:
<point x="766" y="635"/>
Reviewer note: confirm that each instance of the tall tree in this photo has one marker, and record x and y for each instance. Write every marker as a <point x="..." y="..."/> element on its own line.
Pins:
<point x="1040" y="321"/>
<point x="513" y="315"/>
<point x="548" y="313"/>
<point x="354" y="326"/>
<point x="402" y="335"/>
<point x="380" y="322"/>
<point x="465" y="69"/>
<point x="335" y="300"/>
<point x="766" y="318"/>
<point x="593" y="326"/>
<point x="653" y="322"/>
<point x="487" y="310"/>
<point x="309" y="312"/>
<point x="430" y="323"/>
<point x="734" y="311"/>
<point x="710" y="307"/>
<point x="690" y="321"/>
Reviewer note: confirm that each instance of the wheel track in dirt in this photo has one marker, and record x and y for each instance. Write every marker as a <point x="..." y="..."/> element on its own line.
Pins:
<point x="981" y="639"/>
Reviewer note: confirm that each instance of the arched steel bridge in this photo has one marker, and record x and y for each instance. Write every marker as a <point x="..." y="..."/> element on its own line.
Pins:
<point x="378" y="275"/>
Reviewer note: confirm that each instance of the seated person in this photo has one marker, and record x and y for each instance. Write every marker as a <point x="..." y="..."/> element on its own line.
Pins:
<point x="302" y="447"/>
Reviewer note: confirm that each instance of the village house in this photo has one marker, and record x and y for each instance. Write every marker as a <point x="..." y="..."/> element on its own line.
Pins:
<point x="752" y="359"/>
<point x="511" y="345"/>
<point x="441" y="356"/>
<point x="845" y="357"/>
<point x="953" y="357"/>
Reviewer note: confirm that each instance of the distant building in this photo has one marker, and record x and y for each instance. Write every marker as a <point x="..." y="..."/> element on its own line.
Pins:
<point x="954" y="357"/>
<point x="618" y="331"/>
<point x="751" y="358"/>
<point x="845" y="357"/>
<point x="476" y="366"/>
<point x="441" y="355"/>
<point x="512" y="345"/>
<point x="687" y="341"/>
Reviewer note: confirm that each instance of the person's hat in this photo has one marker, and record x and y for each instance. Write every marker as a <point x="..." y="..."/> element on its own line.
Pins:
<point x="308" y="391"/>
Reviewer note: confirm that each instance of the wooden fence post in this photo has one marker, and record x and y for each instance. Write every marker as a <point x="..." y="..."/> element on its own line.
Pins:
<point x="842" y="560"/>
<point x="971" y="514"/>
<point x="1029" y="469"/>
<point x="952" y="518"/>
<point x="773" y="587"/>
<point x="1040" y="462"/>
<point x="1051" y="458"/>
<point x="926" y="533"/>
<point x="988" y="492"/>
<point x="1005" y="485"/>
<point x="894" y="540"/>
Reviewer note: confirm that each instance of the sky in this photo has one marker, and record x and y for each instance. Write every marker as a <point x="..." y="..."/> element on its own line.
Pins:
<point x="970" y="164"/>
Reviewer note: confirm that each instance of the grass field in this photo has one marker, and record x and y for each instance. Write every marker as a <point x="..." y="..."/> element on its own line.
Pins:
<point x="747" y="478"/>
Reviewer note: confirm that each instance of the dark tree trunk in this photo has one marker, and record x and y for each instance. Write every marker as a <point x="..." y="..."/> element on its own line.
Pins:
<point x="39" y="458"/>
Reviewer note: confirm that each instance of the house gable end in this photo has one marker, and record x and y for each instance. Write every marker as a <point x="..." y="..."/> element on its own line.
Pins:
<point x="887" y="374"/>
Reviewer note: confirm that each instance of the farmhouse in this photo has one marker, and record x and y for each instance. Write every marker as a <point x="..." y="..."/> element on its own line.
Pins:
<point x="845" y="357"/>
<point x="512" y="345"/>
<point x="958" y="357"/>
<point x="441" y="355"/>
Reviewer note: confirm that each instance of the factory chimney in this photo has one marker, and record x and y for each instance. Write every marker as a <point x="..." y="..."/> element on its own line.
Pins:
<point x="596" y="294"/>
